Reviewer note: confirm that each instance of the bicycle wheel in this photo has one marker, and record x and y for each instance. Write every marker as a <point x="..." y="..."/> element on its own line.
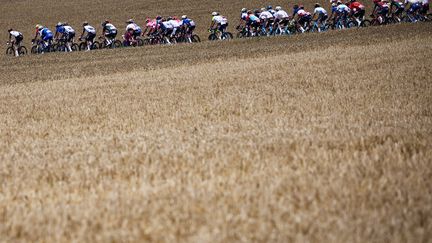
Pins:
<point x="352" y="24"/>
<point x="10" y="51"/>
<point x="96" y="45"/>
<point x="212" y="37"/>
<point x="22" y="50"/>
<point x="60" y="48"/>
<point x="227" y="36"/>
<point x="83" y="46"/>
<point x="116" y="44"/>
<point x="173" y="40"/>
<point x="140" y="42"/>
<point x="34" y="50"/>
<point x="75" y="47"/>
<point x="365" y="23"/>
<point x="195" y="38"/>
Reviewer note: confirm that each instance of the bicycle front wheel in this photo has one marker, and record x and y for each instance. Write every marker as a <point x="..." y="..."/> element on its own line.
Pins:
<point x="10" y="51"/>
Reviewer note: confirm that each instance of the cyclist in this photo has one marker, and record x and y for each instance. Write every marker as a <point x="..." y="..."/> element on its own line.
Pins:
<point x="129" y="37"/>
<point x="175" y="24"/>
<point x="132" y="25"/>
<point x="380" y="10"/>
<point x="243" y="18"/>
<point x="267" y="20"/>
<point x="281" y="17"/>
<point x="322" y="15"/>
<point x="18" y="37"/>
<point x="187" y="24"/>
<point x="357" y="11"/>
<point x="90" y="32"/>
<point x="304" y="18"/>
<point x="218" y="22"/>
<point x="333" y="12"/>
<point x="66" y="33"/>
<point x="150" y="27"/>
<point x="253" y="21"/>
<point x="166" y="28"/>
<point x="45" y="35"/>
<point x="342" y="12"/>
<point x="109" y="31"/>
<point x="399" y="8"/>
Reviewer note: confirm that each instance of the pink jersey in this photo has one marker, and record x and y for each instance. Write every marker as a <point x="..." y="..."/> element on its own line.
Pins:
<point x="151" y="24"/>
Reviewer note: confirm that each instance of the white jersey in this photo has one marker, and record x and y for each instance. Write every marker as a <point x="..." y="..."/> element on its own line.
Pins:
<point x="68" y="29"/>
<point x="133" y="26"/>
<point x="265" y="15"/>
<point x="244" y="16"/>
<point x="220" y="20"/>
<point x="342" y="8"/>
<point x="174" y="23"/>
<point x="110" y="27"/>
<point x="15" y="33"/>
<point x="168" y="25"/>
<point x="90" y="29"/>
<point x="425" y="2"/>
<point x="281" y="14"/>
<point x="320" y="10"/>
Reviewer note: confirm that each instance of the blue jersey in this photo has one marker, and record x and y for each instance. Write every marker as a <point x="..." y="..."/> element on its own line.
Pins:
<point x="188" y="22"/>
<point x="253" y="18"/>
<point x="60" y="29"/>
<point x="45" y="32"/>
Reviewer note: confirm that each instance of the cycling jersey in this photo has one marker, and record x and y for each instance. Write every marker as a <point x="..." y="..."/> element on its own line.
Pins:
<point x="109" y="28"/>
<point x="382" y="5"/>
<point x="253" y="18"/>
<point x="187" y="22"/>
<point x="342" y="8"/>
<point x="281" y="14"/>
<point x="167" y="25"/>
<point x="320" y="11"/>
<point x="333" y="8"/>
<point x="302" y="13"/>
<point x="244" y="16"/>
<point x="15" y="33"/>
<point x="219" y="20"/>
<point x="133" y="26"/>
<point x="266" y="15"/>
<point x="152" y="24"/>
<point x="90" y="29"/>
<point x="356" y="6"/>
<point x="174" y="23"/>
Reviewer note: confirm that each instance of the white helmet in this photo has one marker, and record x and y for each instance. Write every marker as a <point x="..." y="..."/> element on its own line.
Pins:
<point x="244" y="10"/>
<point x="214" y="13"/>
<point x="278" y="8"/>
<point x="263" y="9"/>
<point x="184" y="17"/>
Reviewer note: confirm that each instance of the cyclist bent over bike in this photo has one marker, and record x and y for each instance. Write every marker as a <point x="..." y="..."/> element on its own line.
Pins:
<point x="66" y="33"/>
<point x="18" y="37"/>
<point x="219" y="22"/>
<point x="91" y="34"/>
<point x="45" y="35"/>
<point x="109" y="31"/>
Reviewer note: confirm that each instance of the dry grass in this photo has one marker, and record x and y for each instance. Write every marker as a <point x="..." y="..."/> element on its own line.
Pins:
<point x="272" y="140"/>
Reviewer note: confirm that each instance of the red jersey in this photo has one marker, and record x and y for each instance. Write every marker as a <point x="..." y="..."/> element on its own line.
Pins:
<point x="356" y="6"/>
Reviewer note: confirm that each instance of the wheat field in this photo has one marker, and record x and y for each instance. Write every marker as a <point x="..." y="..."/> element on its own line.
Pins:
<point x="312" y="138"/>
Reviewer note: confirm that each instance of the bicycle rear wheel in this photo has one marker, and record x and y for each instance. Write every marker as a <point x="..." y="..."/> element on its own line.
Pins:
<point x="117" y="44"/>
<point x="227" y="36"/>
<point x="195" y="38"/>
<point x="22" y="50"/>
<point x="212" y="37"/>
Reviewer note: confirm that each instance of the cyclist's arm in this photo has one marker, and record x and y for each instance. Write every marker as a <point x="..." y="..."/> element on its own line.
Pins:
<point x="82" y="34"/>
<point x="212" y="24"/>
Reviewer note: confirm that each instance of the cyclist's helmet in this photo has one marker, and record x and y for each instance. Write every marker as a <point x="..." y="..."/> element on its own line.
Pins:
<point x="130" y="21"/>
<point x="269" y="7"/>
<point x="184" y="17"/>
<point x="249" y="12"/>
<point x="215" y="13"/>
<point x="59" y="24"/>
<point x="169" y="18"/>
<point x="317" y="5"/>
<point x="158" y="17"/>
<point x="278" y="8"/>
<point x="37" y="26"/>
<point x="175" y="18"/>
<point x="40" y="27"/>
<point x="85" y="23"/>
<point x="9" y="30"/>
<point x="301" y="7"/>
<point x="244" y="10"/>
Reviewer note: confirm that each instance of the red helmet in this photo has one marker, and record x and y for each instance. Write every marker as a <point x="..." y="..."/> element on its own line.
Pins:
<point x="376" y="1"/>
